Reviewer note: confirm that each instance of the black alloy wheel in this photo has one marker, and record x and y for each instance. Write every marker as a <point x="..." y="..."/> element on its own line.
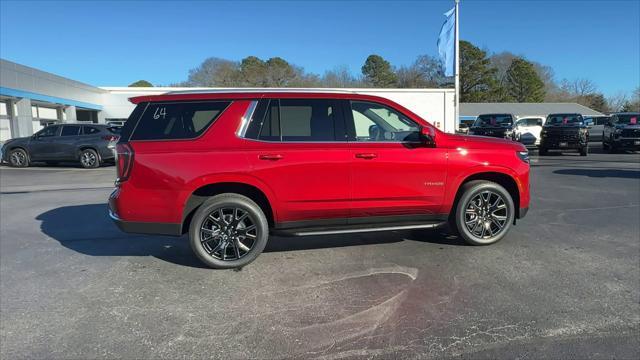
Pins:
<point x="484" y="212"/>
<point x="228" y="231"/>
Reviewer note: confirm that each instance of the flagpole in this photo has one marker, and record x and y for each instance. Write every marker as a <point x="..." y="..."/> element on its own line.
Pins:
<point x="456" y="105"/>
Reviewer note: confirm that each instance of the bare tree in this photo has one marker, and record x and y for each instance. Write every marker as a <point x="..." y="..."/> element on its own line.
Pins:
<point x="617" y="101"/>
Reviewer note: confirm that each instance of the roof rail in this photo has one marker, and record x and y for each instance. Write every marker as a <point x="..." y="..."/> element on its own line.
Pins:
<point x="261" y="90"/>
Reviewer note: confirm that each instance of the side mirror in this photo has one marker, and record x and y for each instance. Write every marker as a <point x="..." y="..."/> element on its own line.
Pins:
<point x="428" y="136"/>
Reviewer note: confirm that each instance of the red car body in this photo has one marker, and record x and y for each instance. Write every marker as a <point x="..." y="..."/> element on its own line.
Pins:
<point x="303" y="182"/>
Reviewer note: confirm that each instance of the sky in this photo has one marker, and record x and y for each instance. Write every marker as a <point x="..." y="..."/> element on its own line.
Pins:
<point x="114" y="43"/>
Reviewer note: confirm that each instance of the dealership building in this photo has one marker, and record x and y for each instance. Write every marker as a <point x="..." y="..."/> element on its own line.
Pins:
<point x="31" y="99"/>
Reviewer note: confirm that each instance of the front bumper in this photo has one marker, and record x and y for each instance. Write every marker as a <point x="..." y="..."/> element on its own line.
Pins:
<point x="553" y="144"/>
<point x="627" y="143"/>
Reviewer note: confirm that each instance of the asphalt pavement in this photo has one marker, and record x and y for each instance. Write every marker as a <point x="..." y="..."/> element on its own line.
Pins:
<point x="565" y="283"/>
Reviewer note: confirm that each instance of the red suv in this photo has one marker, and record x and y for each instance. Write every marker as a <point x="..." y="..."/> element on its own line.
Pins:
<point x="232" y="168"/>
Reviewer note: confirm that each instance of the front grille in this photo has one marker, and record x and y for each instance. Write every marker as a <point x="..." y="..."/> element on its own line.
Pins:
<point x="562" y="136"/>
<point x="632" y="133"/>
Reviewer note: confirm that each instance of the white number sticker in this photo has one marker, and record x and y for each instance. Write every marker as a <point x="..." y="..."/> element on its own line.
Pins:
<point x="160" y="112"/>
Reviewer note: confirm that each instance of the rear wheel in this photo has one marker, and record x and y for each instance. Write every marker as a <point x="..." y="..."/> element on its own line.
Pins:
<point x="228" y="231"/>
<point x="18" y="158"/>
<point x="484" y="213"/>
<point x="89" y="159"/>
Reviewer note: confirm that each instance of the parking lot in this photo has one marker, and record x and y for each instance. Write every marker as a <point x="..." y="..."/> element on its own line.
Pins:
<point x="564" y="283"/>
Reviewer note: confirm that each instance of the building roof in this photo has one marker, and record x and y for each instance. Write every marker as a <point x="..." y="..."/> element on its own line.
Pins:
<point x="525" y="109"/>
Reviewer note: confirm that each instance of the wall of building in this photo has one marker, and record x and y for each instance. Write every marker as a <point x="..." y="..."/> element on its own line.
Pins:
<point x="25" y="89"/>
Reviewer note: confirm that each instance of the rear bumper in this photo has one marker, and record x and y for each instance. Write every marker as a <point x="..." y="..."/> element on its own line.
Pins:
<point x="137" y="227"/>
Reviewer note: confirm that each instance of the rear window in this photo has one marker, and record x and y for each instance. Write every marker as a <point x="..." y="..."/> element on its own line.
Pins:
<point x="177" y="120"/>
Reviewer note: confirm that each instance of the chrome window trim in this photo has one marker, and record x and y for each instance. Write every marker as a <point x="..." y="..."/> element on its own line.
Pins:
<point x="246" y="119"/>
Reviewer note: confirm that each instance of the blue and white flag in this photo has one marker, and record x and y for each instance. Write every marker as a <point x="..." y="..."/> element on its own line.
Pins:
<point x="446" y="42"/>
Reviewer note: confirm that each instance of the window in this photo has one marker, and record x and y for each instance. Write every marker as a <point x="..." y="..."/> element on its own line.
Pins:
<point x="178" y="120"/>
<point x="48" y="131"/>
<point x="270" y="127"/>
<point x="90" y="130"/>
<point x="562" y="119"/>
<point x="70" y="130"/>
<point x="376" y="122"/>
<point x="295" y="120"/>
<point x="494" y="120"/>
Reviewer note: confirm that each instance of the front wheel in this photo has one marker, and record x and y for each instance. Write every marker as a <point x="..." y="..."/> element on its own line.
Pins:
<point x="484" y="213"/>
<point x="18" y="158"/>
<point x="228" y="231"/>
<point x="89" y="159"/>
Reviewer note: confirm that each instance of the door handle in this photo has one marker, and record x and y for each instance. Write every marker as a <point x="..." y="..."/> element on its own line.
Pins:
<point x="367" y="156"/>
<point x="272" y="157"/>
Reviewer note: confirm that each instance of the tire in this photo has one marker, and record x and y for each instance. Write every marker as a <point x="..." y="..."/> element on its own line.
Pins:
<point x="542" y="151"/>
<point x="584" y="150"/>
<point x="213" y="249"/>
<point x="89" y="159"/>
<point x="499" y="218"/>
<point x="18" y="158"/>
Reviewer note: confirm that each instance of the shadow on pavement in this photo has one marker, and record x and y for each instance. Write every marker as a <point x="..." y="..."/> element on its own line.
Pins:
<point x="612" y="173"/>
<point x="88" y="230"/>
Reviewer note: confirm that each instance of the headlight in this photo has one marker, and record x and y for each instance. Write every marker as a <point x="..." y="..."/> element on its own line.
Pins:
<point x="523" y="155"/>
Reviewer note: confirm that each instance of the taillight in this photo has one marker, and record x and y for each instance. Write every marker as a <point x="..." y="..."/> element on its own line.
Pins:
<point x="124" y="159"/>
<point x="110" y="138"/>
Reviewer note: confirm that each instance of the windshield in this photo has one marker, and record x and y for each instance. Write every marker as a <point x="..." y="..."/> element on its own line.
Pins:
<point x="494" y="120"/>
<point x="564" y="119"/>
<point x="628" y="119"/>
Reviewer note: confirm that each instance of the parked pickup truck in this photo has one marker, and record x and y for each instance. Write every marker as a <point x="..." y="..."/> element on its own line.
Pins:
<point x="564" y="132"/>
<point x="622" y="132"/>
<point x="494" y="125"/>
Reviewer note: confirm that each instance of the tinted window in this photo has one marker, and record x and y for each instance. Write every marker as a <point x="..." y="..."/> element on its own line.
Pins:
<point x="376" y="122"/>
<point x="270" y="125"/>
<point x="114" y="129"/>
<point x="90" y="130"/>
<point x="564" y="119"/>
<point x="534" y="122"/>
<point x="494" y="120"/>
<point x="629" y="119"/>
<point x="182" y="120"/>
<point x="307" y="120"/>
<point x="70" y="130"/>
<point x="295" y="120"/>
<point x="48" y="131"/>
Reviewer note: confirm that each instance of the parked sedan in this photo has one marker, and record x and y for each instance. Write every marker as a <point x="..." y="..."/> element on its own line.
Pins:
<point x="90" y="145"/>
